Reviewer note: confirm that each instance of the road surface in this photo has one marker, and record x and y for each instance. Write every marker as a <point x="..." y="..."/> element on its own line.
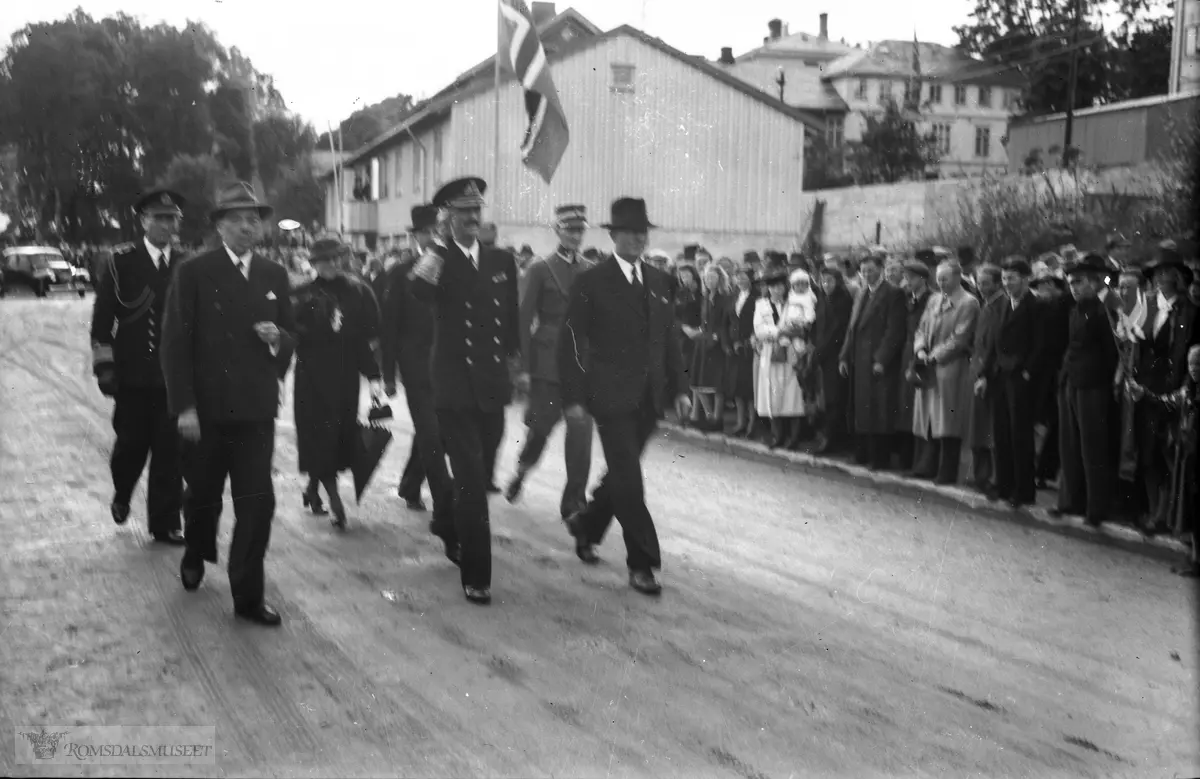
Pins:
<point x="808" y="627"/>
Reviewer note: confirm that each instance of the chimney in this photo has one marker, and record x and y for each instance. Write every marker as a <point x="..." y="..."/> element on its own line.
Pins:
<point x="776" y="28"/>
<point x="824" y="27"/>
<point x="726" y="55"/>
<point x="542" y="13"/>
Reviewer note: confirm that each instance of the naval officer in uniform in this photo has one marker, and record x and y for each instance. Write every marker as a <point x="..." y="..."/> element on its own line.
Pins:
<point x="126" y="332"/>
<point x="473" y="290"/>
<point x="545" y="292"/>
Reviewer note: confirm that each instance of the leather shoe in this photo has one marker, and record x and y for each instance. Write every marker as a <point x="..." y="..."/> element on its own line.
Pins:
<point x="587" y="552"/>
<point x="191" y="575"/>
<point x="644" y="582"/>
<point x="172" y="537"/>
<point x="479" y="595"/>
<point x="262" y="614"/>
<point x="413" y="504"/>
<point x="120" y="512"/>
<point x="513" y="493"/>
<point x="454" y="553"/>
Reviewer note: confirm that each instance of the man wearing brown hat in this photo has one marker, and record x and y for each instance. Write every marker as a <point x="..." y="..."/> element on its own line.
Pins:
<point x="619" y="358"/>
<point x="407" y="344"/>
<point x="227" y="342"/>
<point x="127" y="317"/>
<point x="474" y="294"/>
<point x="545" y="292"/>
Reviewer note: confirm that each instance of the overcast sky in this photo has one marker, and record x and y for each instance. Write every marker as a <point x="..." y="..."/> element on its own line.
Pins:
<point x="330" y="58"/>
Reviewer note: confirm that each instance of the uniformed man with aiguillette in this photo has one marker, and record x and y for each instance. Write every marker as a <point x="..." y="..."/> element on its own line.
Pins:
<point x="474" y="294"/>
<point x="126" y="332"/>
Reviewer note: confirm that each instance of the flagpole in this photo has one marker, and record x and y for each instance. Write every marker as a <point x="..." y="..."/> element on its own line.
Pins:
<point x="496" y="110"/>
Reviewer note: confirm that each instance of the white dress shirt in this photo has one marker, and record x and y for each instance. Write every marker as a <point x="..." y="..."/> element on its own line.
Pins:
<point x="158" y="256"/>
<point x="471" y="251"/>
<point x="243" y="262"/>
<point x="631" y="269"/>
<point x="742" y="297"/>
<point x="1164" y="312"/>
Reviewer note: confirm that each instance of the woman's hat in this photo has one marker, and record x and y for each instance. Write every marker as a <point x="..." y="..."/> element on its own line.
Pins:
<point x="239" y="196"/>
<point x="326" y="250"/>
<point x="424" y="217"/>
<point x="774" y="276"/>
<point x="628" y="213"/>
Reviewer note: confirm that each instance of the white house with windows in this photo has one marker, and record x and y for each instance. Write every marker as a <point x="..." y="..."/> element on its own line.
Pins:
<point x="966" y="103"/>
<point x="718" y="162"/>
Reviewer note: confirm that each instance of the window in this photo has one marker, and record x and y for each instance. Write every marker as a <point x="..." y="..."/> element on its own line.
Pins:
<point x="398" y="172"/>
<point x="941" y="137"/>
<point x="861" y="92"/>
<point x="935" y="94"/>
<point x="382" y="169"/>
<point x="416" y="169"/>
<point x="985" y="97"/>
<point x="835" y="131"/>
<point x="960" y="95"/>
<point x="622" y="78"/>
<point x="983" y="141"/>
<point x="885" y="93"/>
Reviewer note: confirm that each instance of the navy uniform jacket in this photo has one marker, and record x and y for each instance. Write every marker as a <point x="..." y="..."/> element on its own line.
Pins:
<point x="127" y="314"/>
<point x="614" y="347"/>
<point x="212" y="359"/>
<point x="475" y="328"/>
<point x="407" y="331"/>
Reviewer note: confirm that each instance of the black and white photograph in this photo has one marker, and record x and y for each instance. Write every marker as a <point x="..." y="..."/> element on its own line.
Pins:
<point x="605" y="388"/>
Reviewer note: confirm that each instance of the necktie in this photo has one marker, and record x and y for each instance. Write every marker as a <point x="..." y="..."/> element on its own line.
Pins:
<point x="243" y="268"/>
<point x="164" y="264"/>
<point x="636" y="279"/>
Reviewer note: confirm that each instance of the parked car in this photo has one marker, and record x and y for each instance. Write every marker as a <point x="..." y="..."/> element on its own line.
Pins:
<point x="42" y="269"/>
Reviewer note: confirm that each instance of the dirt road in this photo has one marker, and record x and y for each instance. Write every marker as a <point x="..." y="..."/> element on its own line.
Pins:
<point x="808" y="628"/>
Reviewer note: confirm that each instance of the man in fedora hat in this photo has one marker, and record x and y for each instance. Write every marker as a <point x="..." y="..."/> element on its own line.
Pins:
<point x="1085" y="391"/>
<point x="1161" y="367"/>
<point x="545" y="292"/>
<point x="227" y="342"/>
<point x="131" y="294"/>
<point x="619" y="357"/>
<point x="407" y="342"/>
<point x="474" y="293"/>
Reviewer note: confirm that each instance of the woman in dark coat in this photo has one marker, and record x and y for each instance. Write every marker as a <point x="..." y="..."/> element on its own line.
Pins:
<point x="337" y="320"/>
<point x="711" y="349"/>
<point x="688" y="314"/>
<point x="739" y="370"/>
<point x="833" y="319"/>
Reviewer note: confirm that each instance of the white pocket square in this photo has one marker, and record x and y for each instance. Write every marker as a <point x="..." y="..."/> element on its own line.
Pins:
<point x="270" y="296"/>
<point x="499" y="277"/>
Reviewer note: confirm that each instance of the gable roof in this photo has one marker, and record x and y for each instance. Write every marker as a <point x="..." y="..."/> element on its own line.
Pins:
<point x="481" y="79"/>
<point x="797" y="45"/>
<point x="938" y="63"/>
<point x="804" y="90"/>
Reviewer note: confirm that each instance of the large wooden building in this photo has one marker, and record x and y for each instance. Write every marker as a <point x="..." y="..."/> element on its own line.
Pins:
<point x="719" y="162"/>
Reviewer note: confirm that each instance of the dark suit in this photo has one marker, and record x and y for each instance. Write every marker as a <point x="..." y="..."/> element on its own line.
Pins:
<point x="1084" y="412"/>
<point x="829" y="334"/>
<point x="130" y="297"/>
<point x="619" y="356"/>
<point x="215" y="363"/>
<point x="545" y="293"/>
<point x="407" y="345"/>
<point x="1161" y="366"/>
<point x="1011" y="365"/>
<point x="475" y="334"/>
<point x="875" y="336"/>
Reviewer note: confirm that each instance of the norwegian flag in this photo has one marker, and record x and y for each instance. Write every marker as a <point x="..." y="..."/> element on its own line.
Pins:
<point x="521" y="53"/>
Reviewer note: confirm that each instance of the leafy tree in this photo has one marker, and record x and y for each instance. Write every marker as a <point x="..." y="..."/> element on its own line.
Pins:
<point x="197" y="178"/>
<point x="1144" y="68"/>
<point x="893" y="148"/>
<point x="283" y="143"/>
<point x="366" y="124"/>
<point x="298" y="194"/>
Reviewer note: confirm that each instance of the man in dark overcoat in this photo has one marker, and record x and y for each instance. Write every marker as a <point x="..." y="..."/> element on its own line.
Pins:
<point x="407" y="344"/>
<point x="1084" y="400"/>
<point x="227" y="342"/>
<point x="1161" y="366"/>
<point x="545" y="292"/>
<point x="870" y="358"/>
<point x="620" y="358"/>
<point x="1008" y="378"/>
<point x="131" y="294"/>
<point x="474" y="294"/>
<point x="916" y="298"/>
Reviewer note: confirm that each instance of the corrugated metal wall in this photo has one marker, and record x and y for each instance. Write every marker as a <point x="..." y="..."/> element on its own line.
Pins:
<point x="1107" y="139"/>
<point x="703" y="155"/>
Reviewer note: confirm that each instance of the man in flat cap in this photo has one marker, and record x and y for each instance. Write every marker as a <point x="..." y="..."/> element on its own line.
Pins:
<point x="227" y="342"/>
<point x="620" y="359"/>
<point x="407" y="344"/>
<point x="126" y="332"/>
<point x="546" y="290"/>
<point x="474" y="293"/>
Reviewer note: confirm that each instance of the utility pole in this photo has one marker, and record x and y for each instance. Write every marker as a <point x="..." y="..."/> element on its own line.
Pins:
<point x="1072" y="78"/>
